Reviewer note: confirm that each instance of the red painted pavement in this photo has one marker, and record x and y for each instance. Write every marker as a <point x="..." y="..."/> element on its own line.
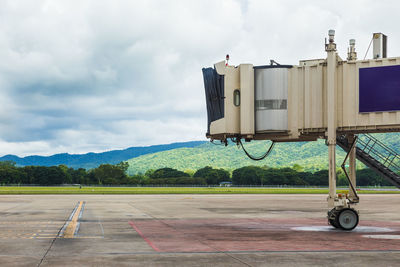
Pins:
<point x="212" y="235"/>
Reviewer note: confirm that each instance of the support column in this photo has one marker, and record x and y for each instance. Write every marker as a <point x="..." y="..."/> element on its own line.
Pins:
<point x="331" y="111"/>
<point x="332" y="173"/>
<point x="352" y="166"/>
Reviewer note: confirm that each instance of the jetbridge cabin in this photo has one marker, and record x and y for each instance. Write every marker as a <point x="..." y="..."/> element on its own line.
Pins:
<point x="330" y="98"/>
<point x="290" y="103"/>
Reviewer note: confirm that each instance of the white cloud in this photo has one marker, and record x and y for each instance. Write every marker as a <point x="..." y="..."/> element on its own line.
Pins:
<point x="93" y="75"/>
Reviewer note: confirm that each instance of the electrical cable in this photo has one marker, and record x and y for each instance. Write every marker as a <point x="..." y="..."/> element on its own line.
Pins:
<point x="368" y="47"/>
<point x="252" y="157"/>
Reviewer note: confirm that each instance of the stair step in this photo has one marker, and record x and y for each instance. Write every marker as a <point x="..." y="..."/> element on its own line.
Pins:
<point x="369" y="160"/>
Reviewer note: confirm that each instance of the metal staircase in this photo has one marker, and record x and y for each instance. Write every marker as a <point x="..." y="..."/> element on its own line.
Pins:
<point x="376" y="155"/>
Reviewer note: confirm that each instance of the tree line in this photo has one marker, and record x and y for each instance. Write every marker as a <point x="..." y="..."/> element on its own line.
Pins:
<point x="108" y="174"/>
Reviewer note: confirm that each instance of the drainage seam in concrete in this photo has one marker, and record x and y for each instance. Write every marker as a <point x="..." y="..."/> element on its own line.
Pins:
<point x="55" y="238"/>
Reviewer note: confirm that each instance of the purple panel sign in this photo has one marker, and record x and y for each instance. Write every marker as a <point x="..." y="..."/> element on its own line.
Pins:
<point x="379" y="89"/>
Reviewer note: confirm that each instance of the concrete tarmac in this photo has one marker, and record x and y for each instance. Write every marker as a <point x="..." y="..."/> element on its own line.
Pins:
<point x="193" y="230"/>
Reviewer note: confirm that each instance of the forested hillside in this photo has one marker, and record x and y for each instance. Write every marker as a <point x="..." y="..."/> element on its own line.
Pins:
<point x="92" y="160"/>
<point x="311" y="156"/>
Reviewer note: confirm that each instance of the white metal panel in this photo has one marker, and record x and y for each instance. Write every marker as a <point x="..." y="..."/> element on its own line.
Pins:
<point x="230" y="124"/>
<point x="247" y="123"/>
<point x="308" y="90"/>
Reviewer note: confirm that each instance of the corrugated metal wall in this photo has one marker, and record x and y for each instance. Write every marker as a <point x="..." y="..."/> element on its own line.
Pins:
<point x="307" y="99"/>
<point x="349" y="85"/>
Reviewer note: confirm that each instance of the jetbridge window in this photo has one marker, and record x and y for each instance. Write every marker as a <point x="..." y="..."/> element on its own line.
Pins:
<point x="236" y="98"/>
<point x="270" y="95"/>
<point x="271" y="104"/>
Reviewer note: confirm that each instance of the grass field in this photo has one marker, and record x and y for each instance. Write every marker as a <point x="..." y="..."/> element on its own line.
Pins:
<point x="4" y="190"/>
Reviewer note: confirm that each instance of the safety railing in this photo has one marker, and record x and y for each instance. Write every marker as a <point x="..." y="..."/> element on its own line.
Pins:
<point x="379" y="151"/>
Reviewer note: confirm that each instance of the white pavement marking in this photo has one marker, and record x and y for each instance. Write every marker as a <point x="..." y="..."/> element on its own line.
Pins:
<point x="383" y="236"/>
<point x="359" y="229"/>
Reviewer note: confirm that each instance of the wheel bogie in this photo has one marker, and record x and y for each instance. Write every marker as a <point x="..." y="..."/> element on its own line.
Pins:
<point x="345" y="219"/>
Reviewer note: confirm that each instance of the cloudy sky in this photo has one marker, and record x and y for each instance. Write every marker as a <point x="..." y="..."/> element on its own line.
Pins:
<point x="80" y="76"/>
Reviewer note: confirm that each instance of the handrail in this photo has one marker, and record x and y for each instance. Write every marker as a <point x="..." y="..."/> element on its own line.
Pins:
<point x="375" y="155"/>
<point x="382" y="153"/>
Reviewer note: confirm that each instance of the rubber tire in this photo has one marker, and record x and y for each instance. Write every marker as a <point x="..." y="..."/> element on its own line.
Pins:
<point x="332" y="221"/>
<point x="337" y="219"/>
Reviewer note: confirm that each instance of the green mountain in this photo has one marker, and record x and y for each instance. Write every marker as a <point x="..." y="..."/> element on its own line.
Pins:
<point x="92" y="160"/>
<point x="311" y="156"/>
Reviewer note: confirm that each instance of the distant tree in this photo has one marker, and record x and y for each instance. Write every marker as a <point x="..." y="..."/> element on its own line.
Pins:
<point x="190" y="172"/>
<point x="168" y="173"/>
<point x="109" y="174"/>
<point x="213" y="176"/>
<point x="341" y="179"/>
<point x="297" y="168"/>
<point x="177" y="181"/>
<point x="9" y="174"/>
<point x="123" y="165"/>
<point x="56" y="176"/>
<point x="7" y="163"/>
<point x="79" y="176"/>
<point x="203" y="172"/>
<point x="367" y="177"/>
<point x="292" y="176"/>
<point x="29" y="174"/>
<point x="249" y="175"/>
<point x="91" y="178"/>
<point x="45" y="175"/>
<point x="67" y="172"/>
<point x="149" y="172"/>
<point x="136" y="179"/>
<point x="191" y="181"/>
<point x="273" y="177"/>
<point x="307" y="177"/>
<point x="320" y="178"/>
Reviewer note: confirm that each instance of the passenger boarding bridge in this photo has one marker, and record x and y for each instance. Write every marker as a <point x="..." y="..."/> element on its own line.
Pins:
<point x="341" y="101"/>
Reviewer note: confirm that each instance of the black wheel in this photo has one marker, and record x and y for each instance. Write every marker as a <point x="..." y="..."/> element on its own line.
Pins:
<point x="332" y="214"/>
<point x="347" y="219"/>
<point x="333" y="223"/>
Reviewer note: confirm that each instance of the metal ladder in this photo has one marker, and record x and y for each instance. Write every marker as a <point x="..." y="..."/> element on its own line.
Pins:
<point x="376" y="155"/>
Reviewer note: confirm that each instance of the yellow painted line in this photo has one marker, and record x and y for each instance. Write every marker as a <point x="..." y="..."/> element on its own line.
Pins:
<point x="71" y="227"/>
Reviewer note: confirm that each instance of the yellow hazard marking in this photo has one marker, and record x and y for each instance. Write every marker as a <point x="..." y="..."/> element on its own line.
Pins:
<point x="71" y="227"/>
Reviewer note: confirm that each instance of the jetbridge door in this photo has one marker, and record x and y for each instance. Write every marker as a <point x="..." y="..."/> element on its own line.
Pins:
<point x="271" y="94"/>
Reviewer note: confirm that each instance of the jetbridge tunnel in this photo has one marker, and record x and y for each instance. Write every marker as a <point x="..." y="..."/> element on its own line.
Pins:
<point x="290" y="103"/>
<point x="327" y="98"/>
